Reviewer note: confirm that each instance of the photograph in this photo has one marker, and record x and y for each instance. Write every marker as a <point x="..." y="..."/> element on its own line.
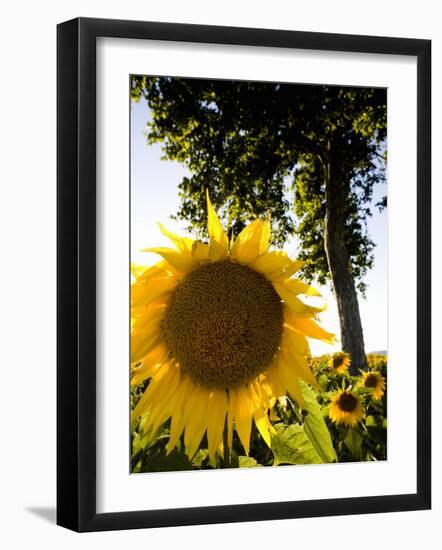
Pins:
<point x="218" y="228"/>
<point x="258" y="274"/>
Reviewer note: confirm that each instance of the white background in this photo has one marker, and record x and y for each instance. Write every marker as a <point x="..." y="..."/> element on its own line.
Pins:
<point x="27" y="287"/>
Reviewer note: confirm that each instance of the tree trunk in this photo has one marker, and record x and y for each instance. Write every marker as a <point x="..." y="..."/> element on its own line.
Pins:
<point x="352" y="337"/>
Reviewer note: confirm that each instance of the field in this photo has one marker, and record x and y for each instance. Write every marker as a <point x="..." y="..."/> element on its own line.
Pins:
<point x="321" y="431"/>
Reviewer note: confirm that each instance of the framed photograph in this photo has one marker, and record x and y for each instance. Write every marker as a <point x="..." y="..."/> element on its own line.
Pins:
<point x="243" y="274"/>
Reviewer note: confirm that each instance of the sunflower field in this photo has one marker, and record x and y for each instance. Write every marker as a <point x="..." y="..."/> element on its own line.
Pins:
<point x="341" y="419"/>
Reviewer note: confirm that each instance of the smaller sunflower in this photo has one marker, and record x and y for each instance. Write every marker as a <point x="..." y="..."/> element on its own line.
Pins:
<point x="346" y="408"/>
<point x="375" y="382"/>
<point x="339" y="362"/>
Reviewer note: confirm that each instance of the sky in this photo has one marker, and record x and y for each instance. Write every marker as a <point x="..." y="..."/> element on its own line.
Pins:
<point x="154" y="197"/>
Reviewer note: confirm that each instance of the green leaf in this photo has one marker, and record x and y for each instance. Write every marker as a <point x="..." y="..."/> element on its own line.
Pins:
<point x="376" y="429"/>
<point x="139" y="442"/>
<point x="353" y="441"/>
<point x="175" y="461"/>
<point x="200" y="457"/>
<point x="234" y="460"/>
<point x="364" y="391"/>
<point x="247" y="462"/>
<point x="370" y="421"/>
<point x="315" y="427"/>
<point x="290" y="445"/>
<point x="323" y="381"/>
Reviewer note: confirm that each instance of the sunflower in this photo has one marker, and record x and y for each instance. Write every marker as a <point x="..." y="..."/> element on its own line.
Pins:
<point x="339" y="362"/>
<point x="346" y="408"/>
<point x="220" y="332"/>
<point x="375" y="382"/>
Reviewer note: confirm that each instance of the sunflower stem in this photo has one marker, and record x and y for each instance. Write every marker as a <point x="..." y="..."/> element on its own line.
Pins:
<point x="226" y="450"/>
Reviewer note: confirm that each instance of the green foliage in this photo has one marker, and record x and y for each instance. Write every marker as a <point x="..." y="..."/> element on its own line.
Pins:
<point x="290" y="445"/>
<point x="353" y="441"/>
<point x="247" y="462"/>
<point x="160" y="462"/>
<point x="261" y="149"/>
<point x="303" y="435"/>
<point x="315" y="426"/>
<point x="367" y="441"/>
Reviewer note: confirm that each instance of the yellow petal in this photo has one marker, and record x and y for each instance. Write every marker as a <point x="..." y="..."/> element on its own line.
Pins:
<point x="218" y="239"/>
<point x="181" y="262"/>
<point x="243" y="417"/>
<point x="215" y="420"/>
<point x="262" y="423"/>
<point x="310" y="328"/>
<point x="294" y="303"/>
<point x="183" y="244"/>
<point x="150" y="364"/>
<point x="263" y="391"/>
<point x="276" y="265"/>
<point x="162" y="387"/>
<point x="299" y="287"/>
<point x="299" y="363"/>
<point x="288" y="377"/>
<point x="136" y="270"/>
<point x="142" y="294"/>
<point x="200" y="251"/>
<point x="259" y="413"/>
<point x="166" y="377"/>
<point x="252" y="242"/>
<point x="144" y="274"/>
<point x="230" y="415"/>
<point x="154" y="312"/>
<point x="164" y="404"/>
<point x="296" y="340"/>
<point x="278" y="387"/>
<point x="144" y="341"/>
<point x="196" y="419"/>
<point x="177" y="424"/>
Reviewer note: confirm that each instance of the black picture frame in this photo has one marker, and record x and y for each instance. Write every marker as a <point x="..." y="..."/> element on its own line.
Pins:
<point x="76" y="274"/>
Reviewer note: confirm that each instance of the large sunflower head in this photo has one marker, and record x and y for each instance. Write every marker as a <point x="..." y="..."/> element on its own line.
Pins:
<point x="375" y="383"/>
<point x="221" y="332"/>
<point x="339" y="362"/>
<point x="346" y="408"/>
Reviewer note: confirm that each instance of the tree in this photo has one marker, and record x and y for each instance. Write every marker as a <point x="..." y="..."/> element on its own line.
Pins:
<point x="266" y="149"/>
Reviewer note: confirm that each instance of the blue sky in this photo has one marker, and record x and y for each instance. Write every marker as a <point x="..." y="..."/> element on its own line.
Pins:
<point x="154" y="197"/>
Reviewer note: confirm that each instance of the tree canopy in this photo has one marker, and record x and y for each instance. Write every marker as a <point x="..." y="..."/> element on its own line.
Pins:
<point x="261" y="149"/>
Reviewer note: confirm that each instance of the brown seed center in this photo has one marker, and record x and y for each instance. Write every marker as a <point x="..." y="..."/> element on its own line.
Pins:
<point x="347" y="402"/>
<point x="223" y="324"/>
<point x="338" y="360"/>
<point x="371" y="381"/>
